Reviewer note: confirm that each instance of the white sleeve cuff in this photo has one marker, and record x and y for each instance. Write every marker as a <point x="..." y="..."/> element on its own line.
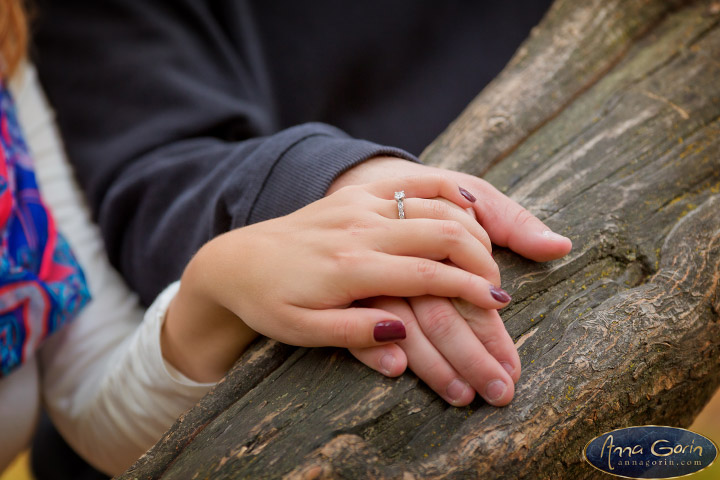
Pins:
<point x="138" y="397"/>
<point x="150" y="342"/>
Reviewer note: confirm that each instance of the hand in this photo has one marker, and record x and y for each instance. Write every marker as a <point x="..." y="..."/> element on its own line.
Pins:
<point x="292" y="278"/>
<point x="505" y="221"/>
<point x="438" y="347"/>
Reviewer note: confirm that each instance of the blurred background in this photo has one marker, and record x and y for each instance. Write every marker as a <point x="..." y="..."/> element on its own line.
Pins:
<point x="708" y="424"/>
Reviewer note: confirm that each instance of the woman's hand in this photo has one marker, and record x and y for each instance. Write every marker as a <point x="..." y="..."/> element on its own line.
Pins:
<point x="294" y="278"/>
<point x="507" y="223"/>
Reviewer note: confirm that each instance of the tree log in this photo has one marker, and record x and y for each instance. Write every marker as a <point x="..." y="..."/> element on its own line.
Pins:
<point x="606" y="124"/>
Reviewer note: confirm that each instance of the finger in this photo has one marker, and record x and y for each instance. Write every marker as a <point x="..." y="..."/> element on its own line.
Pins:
<point x="455" y="340"/>
<point x="423" y="358"/>
<point x="490" y="330"/>
<point x="379" y="274"/>
<point x="510" y="225"/>
<point x="346" y="327"/>
<point x="440" y="240"/>
<point x="422" y="186"/>
<point x="438" y="209"/>
<point x="390" y="359"/>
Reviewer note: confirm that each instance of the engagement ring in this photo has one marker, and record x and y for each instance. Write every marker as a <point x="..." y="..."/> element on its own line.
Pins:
<point x="400" y="198"/>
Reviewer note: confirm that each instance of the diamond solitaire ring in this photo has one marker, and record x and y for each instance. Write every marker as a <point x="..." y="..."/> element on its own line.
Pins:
<point x="400" y="198"/>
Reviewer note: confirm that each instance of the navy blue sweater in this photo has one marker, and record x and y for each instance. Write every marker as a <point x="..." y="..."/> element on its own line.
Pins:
<point x="185" y="118"/>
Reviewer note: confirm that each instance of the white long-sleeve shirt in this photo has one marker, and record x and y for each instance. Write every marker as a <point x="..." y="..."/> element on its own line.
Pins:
<point x="102" y="379"/>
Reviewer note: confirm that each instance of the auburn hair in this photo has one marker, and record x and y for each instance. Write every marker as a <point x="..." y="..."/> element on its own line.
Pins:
<point x="13" y="36"/>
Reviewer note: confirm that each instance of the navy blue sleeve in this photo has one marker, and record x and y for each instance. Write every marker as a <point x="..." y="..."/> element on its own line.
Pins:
<point x="169" y="120"/>
<point x="163" y="207"/>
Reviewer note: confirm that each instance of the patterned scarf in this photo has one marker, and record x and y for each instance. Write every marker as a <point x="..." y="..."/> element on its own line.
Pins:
<point x="41" y="284"/>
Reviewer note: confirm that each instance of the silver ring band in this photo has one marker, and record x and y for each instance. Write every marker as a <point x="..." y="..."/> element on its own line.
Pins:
<point x="400" y="198"/>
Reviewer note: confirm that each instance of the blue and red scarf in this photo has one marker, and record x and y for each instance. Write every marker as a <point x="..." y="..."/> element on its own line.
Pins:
<point x="41" y="284"/>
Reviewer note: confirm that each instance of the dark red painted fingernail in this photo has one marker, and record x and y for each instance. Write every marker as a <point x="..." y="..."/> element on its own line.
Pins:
<point x="389" y="331"/>
<point x="469" y="196"/>
<point x="499" y="294"/>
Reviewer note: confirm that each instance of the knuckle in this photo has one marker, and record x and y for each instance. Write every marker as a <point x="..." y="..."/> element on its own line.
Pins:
<point x="410" y="322"/>
<point x="346" y="260"/>
<point x="357" y="227"/>
<point x="473" y="364"/>
<point x="347" y="193"/>
<point x="492" y="341"/>
<point x="522" y="216"/>
<point x="354" y="190"/>
<point x="344" y="332"/>
<point x="451" y="230"/>
<point x="437" y="208"/>
<point x="438" y="321"/>
<point x="354" y="195"/>
<point x="427" y="269"/>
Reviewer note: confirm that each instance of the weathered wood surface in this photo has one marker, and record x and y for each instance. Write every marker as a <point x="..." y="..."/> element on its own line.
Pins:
<point x="606" y="124"/>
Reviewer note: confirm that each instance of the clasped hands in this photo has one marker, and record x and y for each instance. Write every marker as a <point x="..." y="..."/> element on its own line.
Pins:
<point x="459" y="353"/>
<point x="345" y="271"/>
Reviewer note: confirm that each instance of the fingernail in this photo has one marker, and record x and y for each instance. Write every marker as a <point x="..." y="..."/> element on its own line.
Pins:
<point x="552" y="235"/>
<point x="456" y="389"/>
<point x="499" y="294"/>
<point x="495" y="390"/>
<point x="389" y="331"/>
<point x="387" y="362"/>
<point x="469" y="196"/>
<point x="510" y="369"/>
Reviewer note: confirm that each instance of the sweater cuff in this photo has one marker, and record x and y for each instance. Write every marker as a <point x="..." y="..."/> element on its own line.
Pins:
<point x="306" y="169"/>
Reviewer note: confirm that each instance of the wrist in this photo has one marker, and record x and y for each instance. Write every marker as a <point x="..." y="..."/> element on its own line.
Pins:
<point x="201" y="337"/>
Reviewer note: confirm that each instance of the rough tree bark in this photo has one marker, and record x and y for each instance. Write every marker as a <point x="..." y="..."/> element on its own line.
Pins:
<point x="606" y="124"/>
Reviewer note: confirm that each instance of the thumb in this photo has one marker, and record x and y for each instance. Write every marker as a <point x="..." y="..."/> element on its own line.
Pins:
<point x="352" y="327"/>
<point x="510" y="225"/>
